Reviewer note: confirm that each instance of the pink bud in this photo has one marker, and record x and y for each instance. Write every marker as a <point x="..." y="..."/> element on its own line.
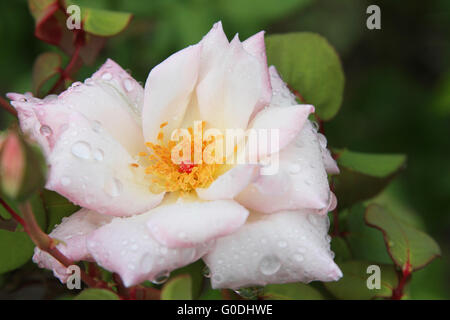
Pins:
<point x="12" y="164"/>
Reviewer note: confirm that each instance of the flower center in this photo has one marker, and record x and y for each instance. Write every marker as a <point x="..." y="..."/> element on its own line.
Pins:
<point x="172" y="176"/>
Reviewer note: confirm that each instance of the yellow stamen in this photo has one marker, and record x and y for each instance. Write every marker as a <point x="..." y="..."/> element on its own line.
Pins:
<point x="184" y="177"/>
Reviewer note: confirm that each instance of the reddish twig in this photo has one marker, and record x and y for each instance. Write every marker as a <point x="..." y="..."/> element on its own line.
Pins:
<point x="42" y="240"/>
<point x="8" y="107"/>
<point x="65" y="74"/>
<point x="404" y="276"/>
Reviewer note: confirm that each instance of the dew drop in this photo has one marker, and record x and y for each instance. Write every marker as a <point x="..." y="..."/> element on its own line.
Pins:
<point x="113" y="187"/>
<point x="96" y="126"/>
<point x="206" y="272"/>
<point x="107" y="76"/>
<point x="217" y="278"/>
<point x="65" y="181"/>
<point x="313" y="219"/>
<point x="269" y="265"/>
<point x="128" y="84"/>
<point x="98" y="154"/>
<point x="45" y="131"/>
<point x="298" y="257"/>
<point x="81" y="150"/>
<point x="161" y="277"/>
<point x="322" y="140"/>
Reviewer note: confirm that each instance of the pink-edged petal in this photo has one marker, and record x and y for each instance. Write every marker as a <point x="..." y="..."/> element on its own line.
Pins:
<point x="188" y="224"/>
<point x="168" y="91"/>
<point x="232" y="87"/>
<point x="28" y="119"/>
<point x="111" y="98"/>
<point x="72" y="232"/>
<point x="125" y="246"/>
<point x="256" y="46"/>
<point x="231" y="183"/>
<point x="281" y="95"/>
<point x="214" y="47"/>
<point x="301" y="181"/>
<point x="93" y="170"/>
<point x="280" y="248"/>
<point x="330" y="164"/>
<point x="288" y="121"/>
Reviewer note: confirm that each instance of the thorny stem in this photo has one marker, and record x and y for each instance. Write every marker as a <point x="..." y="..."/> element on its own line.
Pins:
<point x="7" y="106"/>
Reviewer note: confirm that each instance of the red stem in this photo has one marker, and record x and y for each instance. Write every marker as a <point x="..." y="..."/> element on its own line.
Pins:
<point x="404" y="276"/>
<point x="65" y="74"/>
<point x="7" y="106"/>
<point x="42" y="240"/>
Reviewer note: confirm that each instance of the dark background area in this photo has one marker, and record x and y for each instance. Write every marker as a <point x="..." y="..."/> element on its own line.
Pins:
<point x="397" y="93"/>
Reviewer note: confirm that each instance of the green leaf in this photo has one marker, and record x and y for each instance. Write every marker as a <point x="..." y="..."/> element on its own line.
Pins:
<point x="291" y="291"/>
<point x="243" y="16"/>
<point x="96" y="294"/>
<point x="46" y="66"/>
<point x="16" y="248"/>
<point x="353" y="285"/>
<point x="409" y="248"/>
<point x="311" y="66"/>
<point x="195" y="270"/>
<point x="178" y="288"/>
<point x="101" y="22"/>
<point x="365" y="242"/>
<point x="364" y="175"/>
<point x="341" y="249"/>
<point x="57" y="208"/>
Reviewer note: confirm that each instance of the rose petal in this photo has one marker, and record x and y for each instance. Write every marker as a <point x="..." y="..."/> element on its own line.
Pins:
<point x="229" y="92"/>
<point x="281" y="95"/>
<point x="231" y="183"/>
<point x="125" y="246"/>
<point x="73" y="232"/>
<point x="188" y="224"/>
<point x="93" y="170"/>
<point x="279" y="248"/>
<point x="300" y="182"/>
<point x="288" y="121"/>
<point x="168" y="91"/>
<point x="256" y="46"/>
<point x="104" y="98"/>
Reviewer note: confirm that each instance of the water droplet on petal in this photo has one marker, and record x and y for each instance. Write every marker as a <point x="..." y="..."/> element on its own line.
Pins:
<point x="322" y="140"/>
<point x="161" y="277"/>
<point x="113" y="187"/>
<point x="128" y="84"/>
<point x="45" y="131"/>
<point x="269" y="265"/>
<point x="81" y="150"/>
<point x="96" y="126"/>
<point x="98" y="154"/>
<point x="107" y="76"/>
<point x="298" y="257"/>
<point x="313" y="219"/>
<point x="65" y="181"/>
<point x="206" y="272"/>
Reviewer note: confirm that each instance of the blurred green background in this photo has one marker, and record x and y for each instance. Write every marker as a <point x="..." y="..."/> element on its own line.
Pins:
<point x="397" y="95"/>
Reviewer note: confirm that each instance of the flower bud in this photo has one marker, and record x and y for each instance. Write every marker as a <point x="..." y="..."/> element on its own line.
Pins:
<point x="22" y="167"/>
